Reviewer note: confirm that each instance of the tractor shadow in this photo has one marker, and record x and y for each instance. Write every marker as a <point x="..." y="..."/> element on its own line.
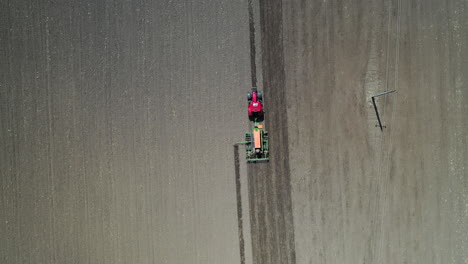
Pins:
<point x="258" y="119"/>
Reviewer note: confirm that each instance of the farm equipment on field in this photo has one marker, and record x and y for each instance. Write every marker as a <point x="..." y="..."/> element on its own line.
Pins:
<point x="256" y="142"/>
<point x="255" y="109"/>
<point x="257" y="145"/>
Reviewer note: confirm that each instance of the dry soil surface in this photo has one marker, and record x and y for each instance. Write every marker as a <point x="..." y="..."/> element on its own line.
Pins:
<point x="117" y="120"/>
<point x="338" y="189"/>
<point x="361" y="195"/>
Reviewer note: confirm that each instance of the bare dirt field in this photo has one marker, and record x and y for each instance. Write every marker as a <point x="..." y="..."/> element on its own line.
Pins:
<point x="117" y="120"/>
<point x="360" y="195"/>
<point x="117" y="124"/>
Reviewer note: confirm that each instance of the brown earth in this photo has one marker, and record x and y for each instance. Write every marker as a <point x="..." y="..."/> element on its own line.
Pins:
<point x="117" y="120"/>
<point x="360" y="195"/>
<point x="117" y="123"/>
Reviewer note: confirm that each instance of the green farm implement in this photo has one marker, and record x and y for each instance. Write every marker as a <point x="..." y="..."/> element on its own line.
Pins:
<point x="256" y="145"/>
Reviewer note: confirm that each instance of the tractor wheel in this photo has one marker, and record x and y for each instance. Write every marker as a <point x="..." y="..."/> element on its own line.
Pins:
<point x="249" y="96"/>
<point x="259" y="96"/>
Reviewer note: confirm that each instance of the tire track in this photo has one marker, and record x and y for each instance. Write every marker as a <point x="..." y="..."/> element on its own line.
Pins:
<point x="253" y="74"/>
<point x="253" y="64"/>
<point x="239" y="204"/>
<point x="269" y="184"/>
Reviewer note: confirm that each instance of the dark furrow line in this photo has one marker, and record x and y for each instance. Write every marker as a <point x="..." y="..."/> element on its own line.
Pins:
<point x="253" y="64"/>
<point x="239" y="204"/>
<point x="270" y="198"/>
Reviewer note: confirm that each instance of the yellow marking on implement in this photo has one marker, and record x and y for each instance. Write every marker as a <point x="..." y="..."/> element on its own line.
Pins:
<point x="257" y="138"/>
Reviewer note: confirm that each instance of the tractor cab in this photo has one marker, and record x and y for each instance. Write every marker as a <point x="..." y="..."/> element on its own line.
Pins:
<point x="255" y="108"/>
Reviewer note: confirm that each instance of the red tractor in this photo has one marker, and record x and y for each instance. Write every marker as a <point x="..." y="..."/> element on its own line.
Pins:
<point x="255" y="110"/>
